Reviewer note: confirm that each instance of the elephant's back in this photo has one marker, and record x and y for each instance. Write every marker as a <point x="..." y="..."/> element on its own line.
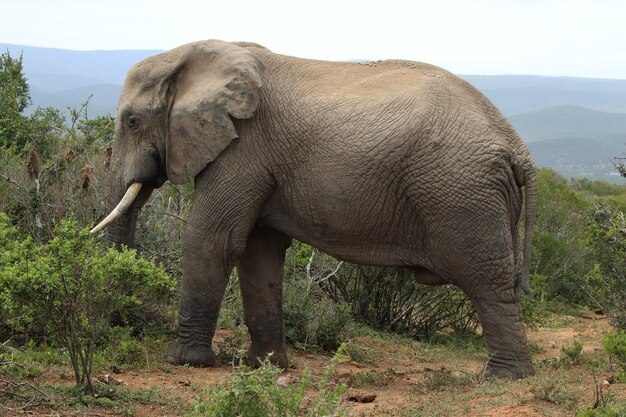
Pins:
<point x="352" y="79"/>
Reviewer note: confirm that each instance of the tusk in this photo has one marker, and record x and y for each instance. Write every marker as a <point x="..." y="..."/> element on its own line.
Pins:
<point x="122" y="206"/>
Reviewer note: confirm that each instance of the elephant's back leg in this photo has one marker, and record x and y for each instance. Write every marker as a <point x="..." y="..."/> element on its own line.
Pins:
<point x="479" y="257"/>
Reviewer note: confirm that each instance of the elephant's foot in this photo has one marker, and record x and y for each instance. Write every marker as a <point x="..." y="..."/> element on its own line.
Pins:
<point x="503" y="328"/>
<point x="508" y="369"/>
<point x="277" y="357"/>
<point x="193" y="355"/>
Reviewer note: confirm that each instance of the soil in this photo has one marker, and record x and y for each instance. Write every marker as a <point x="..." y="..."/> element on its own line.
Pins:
<point x="405" y="378"/>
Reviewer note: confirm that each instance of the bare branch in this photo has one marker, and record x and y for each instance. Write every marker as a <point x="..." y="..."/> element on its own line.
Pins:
<point x="12" y="181"/>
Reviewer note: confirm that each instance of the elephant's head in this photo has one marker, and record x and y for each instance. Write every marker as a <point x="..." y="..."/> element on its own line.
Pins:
<point x="174" y="118"/>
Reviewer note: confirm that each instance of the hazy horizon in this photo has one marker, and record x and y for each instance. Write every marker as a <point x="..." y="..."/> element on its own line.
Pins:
<point x="578" y="38"/>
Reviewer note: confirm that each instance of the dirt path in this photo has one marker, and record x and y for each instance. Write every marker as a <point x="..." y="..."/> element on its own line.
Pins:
<point x="408" y="378"/>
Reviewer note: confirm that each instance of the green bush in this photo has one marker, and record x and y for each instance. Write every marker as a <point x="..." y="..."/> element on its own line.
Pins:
<point x="256" y="393"/>
<point x="34" y="279"/>
<point x="123" y="350"/>
<point x="572" y="354"/>
<point x="69" y="289"/>
<point x="615" y="346"/>
<point x="607" y="280"/>
<point x="560" y="256"/>
<point x="609" y="410"/>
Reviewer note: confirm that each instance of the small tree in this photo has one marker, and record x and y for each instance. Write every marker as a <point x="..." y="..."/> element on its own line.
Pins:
<point x="619" y="165"/>
<point x="68" y="289"/>
<point x="14" y="98"/>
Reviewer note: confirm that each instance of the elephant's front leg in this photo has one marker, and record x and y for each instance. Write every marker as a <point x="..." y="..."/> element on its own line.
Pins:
<point x="206" y="268"/>
<point x="261" y="270"/>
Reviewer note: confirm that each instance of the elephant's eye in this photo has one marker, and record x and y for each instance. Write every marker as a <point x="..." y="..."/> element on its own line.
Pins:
<point x="133" y="122"/>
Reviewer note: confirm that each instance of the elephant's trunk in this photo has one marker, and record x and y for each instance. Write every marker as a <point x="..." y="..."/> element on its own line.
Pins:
<point x="122" y="231"/>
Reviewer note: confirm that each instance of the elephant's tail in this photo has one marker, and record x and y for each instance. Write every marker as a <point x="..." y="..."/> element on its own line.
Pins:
<point x="530" y="182"/>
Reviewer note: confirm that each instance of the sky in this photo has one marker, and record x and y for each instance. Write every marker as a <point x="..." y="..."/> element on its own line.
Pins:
<point x="583" y="38"/>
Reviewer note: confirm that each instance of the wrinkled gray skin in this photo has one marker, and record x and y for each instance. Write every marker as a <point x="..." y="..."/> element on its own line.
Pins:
<point x="391" y="163"/>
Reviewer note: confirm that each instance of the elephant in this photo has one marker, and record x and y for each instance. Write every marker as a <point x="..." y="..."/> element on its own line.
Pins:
<point x="387" y="163"/>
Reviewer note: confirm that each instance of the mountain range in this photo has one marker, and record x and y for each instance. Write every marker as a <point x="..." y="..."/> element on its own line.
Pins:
<point x="573" y="125"/>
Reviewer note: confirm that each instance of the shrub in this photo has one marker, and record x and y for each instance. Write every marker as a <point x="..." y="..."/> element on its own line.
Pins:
<point x="390" y="299"/>
<point x="125" y="351"/>
<point x="615" y="346"/>
<point x="607" y="280"/>
<point x="606" y="411"/>
<point x="312" y="319"/>
<point x="572" y="354"/>
<point x="559" y="254"/>
<point x="70" y="288"/>
<point x="256" y="393"/>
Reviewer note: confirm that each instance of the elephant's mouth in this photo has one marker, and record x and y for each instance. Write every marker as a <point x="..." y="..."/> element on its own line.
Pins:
<point x="158" y="181"/>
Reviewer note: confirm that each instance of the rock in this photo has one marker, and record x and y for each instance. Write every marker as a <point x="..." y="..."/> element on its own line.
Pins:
<point x="345" y="378"/>
<point x="361" y="397"/>
<point x="107" y="379"/>
<point x="286" y="380"/>
<point x="184" y="383"/>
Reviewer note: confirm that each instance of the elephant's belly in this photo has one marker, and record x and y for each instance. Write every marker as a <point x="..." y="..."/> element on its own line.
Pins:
<point x="345" y="240"/>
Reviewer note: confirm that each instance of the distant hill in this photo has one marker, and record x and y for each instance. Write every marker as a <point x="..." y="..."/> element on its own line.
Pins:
<point x="567" y="121"/>
<point x="61" y="78"/>
<point x="514" y="94"/>
<point x="574" y="141"/>
<point x="107" y="67"/>
<point x="581" y="156"/>
<point x="573" y="125"/>
<point x="103" y="101"/>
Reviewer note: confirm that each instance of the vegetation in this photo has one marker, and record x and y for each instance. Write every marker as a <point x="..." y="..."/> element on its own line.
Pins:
<point x="615" y="346"/>
<point x="68" y="301"/>
<point x="259" y="393"/>
<point x="68" y="291"/>
<point x="14" y="98"/>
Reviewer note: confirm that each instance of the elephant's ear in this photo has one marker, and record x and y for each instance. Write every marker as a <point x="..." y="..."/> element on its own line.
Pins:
<point x="211" y="81"/>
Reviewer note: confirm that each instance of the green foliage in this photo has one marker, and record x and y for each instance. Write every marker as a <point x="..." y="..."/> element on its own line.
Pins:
<point x="597" y="188"/>
<point x="578" y="248"/>
<point x="572" y="354"/>
<point x="14" y="98"/>
<point x="124" y="350"/>
<point x="68" y="290"/>
<point x="607" y="239"/>
<point x="34" y="279"/>
<point x="560" y="257"/>
<point x="312" y="319"/>
<point x="612" y="408"/>
<point x="615" y="346"/>
<point x="99" y="130"/>
<point x="256" y="393"/>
